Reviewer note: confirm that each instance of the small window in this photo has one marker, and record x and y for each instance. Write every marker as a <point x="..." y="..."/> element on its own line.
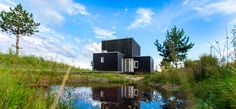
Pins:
<point x="135" y="64"/>
<point x="102" y="59"/>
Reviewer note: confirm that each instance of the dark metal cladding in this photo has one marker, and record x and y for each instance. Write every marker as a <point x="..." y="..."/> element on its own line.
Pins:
<point x="111" y="61"/>
<point x="121" y="55"/>
<point x="129" y="47"/>
<point x="145" y="64"/>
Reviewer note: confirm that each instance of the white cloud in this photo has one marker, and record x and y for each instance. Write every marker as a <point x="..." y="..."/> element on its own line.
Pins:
<point x="4" y="7"/>
<point x="104" y="33"/>
<point x="53" y="12"/>
<point x="226" y="7"/>
<point x="186" y="2"/>
<point x="48" y="43"/>
<point x="6" y="4"/>
<point x="144" y="17"/>
<point x="54" y="46"/>
<point x="233" y="22"/>
<point x="9" y="2"/>
<point x="73" y="8"/>
<point x="93" y="47"/>
<point x="52" y="16"/>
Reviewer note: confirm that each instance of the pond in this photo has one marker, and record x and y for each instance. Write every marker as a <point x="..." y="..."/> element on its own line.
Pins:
<point x="119" y="97"/>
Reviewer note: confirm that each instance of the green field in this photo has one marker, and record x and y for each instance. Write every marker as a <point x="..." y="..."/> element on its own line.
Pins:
<point x="25" y="81"/>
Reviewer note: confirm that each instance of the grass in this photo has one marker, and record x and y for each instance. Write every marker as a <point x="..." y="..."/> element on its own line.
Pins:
<point x="31" y="63"/>
<point x="205" y="83"/>
<point x="218" y="91"/>
<point x="15" y="92"/>
<point x="24" y="80"/>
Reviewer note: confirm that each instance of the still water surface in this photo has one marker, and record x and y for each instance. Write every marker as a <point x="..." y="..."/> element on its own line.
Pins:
<point x="119" y="97"/>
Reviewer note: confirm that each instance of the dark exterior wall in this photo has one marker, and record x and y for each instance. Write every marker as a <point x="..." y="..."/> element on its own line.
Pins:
<point x="119" y="63"/>
<point x="129" y="47"/>
<point x="112" y="61"/>
<point x="135" y="48"/>
<point x="146" y="64"/>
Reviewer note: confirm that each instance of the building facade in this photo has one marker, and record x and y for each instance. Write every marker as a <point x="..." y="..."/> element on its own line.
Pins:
<point x="122" y="55"/>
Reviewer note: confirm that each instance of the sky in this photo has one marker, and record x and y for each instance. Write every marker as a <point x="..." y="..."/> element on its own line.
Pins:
<point x="71" y="31"/>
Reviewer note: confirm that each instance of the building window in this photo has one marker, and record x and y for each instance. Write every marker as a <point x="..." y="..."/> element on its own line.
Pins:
<point x="102" y="59"/>
<point x="135" y="64"/>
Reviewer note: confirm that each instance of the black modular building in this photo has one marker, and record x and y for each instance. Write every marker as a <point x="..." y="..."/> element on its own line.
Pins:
<point x="122" y="55"/>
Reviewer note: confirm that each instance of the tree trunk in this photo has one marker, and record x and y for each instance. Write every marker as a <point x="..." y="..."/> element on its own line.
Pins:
<point x="17" y="44"/>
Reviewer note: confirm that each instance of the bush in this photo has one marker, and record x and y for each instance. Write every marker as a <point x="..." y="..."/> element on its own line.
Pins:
<point x="217" y="92"/>
<point x="189" y="63"/>
<point x="207" y="66"/>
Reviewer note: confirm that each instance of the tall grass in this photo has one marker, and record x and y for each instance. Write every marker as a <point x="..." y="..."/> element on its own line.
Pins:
<point x="16" y="93"/>
<point x="25" y="80"/>
<point x="22" y="81"/>
<point x="11" y="61"/>
<point x="217" y="92"/>
<point x="205" y="82"/>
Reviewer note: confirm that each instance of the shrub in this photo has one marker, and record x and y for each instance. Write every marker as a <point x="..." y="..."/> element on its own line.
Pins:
<point x="207" y="66"/>
<point x="189" y="63"/>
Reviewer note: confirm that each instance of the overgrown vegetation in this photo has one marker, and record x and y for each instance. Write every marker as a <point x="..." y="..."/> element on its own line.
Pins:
<point x="205" y="82"/>
<point x="210" y="82"/>
<point x="25" y="80"/>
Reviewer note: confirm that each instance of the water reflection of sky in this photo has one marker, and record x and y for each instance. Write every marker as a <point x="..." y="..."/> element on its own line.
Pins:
<point x="152" y="100"/>
<point x="150" y="105"/>
<point x="81" y="97"/>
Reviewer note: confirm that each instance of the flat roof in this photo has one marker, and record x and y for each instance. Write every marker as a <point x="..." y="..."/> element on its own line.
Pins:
<point x="118" y="39"/>
<point x="122" y="39"/>
<point x="109" y="52"/>
<point x="142" y="56"/>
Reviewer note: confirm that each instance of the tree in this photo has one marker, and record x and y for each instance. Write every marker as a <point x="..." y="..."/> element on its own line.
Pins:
<point x="175" y="47"/>
<point x="234" y="41"/>
<point x="19" y="23"/>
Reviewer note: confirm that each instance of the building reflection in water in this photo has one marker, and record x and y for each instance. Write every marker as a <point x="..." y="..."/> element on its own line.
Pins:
<point x="117" y="98"/>
<point x="123" y="97"/>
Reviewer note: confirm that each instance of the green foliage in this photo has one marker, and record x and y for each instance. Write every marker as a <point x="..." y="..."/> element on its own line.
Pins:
<point x="207" y="66"/>
<point x="189" y="63"/>
<point x="209" y="61"/>
<point x="31" y="63"/>
<point x="16" y="94"/>
<point x="174" y="77"/>
<point x="175" y="46"/>
<point x="214" y="86"/>
<point x="18" y="22"/>
<point x="204" y="82"/>
<point x="154" y="77"/>
<point x="19" y="75"/>
<point x="216" y="92"/>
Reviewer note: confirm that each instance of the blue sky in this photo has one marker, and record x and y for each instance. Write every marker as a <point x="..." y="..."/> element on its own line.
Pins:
<point x="71" y="30"/>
